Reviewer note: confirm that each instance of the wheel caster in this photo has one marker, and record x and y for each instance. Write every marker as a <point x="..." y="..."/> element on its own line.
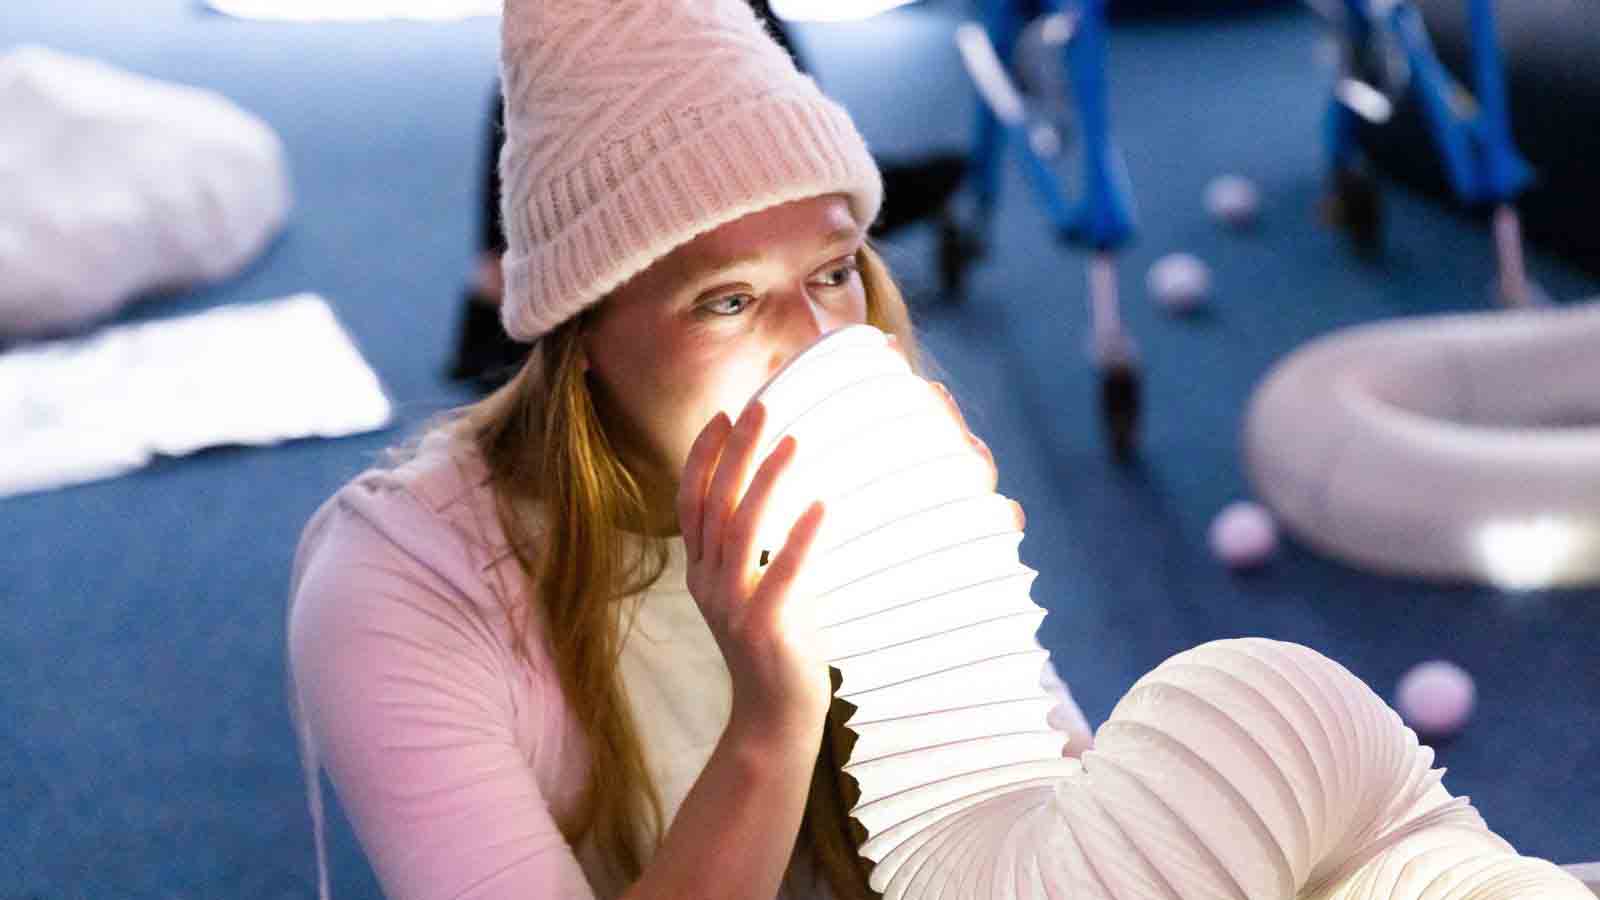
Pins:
<point x="1120" y="388"/>
<point x="1355" y="206"/>
<point x="958" y="249"/>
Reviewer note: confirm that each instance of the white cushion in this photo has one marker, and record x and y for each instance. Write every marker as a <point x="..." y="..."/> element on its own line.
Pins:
<point x="1588" y="873"/>
<point x="113" y="185"/>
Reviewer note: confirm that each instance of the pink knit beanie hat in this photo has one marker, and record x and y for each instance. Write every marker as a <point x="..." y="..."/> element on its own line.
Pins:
<point x="634" y="125"/>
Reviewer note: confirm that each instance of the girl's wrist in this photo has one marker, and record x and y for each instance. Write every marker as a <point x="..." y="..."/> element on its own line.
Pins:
<point x="771" y="742"/>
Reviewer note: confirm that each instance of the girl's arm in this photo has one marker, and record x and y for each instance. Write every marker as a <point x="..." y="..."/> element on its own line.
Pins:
<point x="404" y="694"/>
<point x="735" y="832"/>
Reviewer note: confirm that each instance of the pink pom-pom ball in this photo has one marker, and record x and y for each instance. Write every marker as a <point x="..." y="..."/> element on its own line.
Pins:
<point x="1180" y="282"/>
<point x="1233" y="200"/>
<point x="1244" y="535"/>
<point x="1436" y="698"/>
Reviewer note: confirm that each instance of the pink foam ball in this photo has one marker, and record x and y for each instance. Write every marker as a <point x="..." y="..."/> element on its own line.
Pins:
<point x="1244" y="535"/>
<point x="1180" y="282"/>
<point x="1436" y="698"/>
<point x="1233" y="200"/>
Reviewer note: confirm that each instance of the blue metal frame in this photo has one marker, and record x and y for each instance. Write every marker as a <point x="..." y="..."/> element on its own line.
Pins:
<point x="1103" y="217"/>
<point x="1474" y="140"/>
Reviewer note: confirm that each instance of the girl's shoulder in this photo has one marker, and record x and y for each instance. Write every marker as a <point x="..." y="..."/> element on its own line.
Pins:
<point x="446" y="477"/>
<point x="433" y="511"/>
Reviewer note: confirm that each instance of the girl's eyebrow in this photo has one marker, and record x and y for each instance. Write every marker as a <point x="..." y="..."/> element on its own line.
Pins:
<point x="844" y="234"/>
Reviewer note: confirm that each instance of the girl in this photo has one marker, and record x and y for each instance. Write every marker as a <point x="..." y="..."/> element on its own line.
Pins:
<point x="538" y="657"/>
<point x="484" y="355"/>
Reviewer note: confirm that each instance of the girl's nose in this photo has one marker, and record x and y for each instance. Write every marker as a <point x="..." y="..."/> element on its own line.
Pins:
<point x="806" y="322"/>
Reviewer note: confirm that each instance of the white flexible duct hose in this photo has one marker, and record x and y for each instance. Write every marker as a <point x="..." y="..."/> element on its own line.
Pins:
<point x="1459" y="447"/>
<point x="1239" y="769"/>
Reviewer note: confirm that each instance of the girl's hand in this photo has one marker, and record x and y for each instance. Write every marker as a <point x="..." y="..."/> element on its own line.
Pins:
<point x="781" y="688"/>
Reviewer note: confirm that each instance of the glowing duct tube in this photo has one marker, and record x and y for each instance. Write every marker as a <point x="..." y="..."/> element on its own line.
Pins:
<point x="1238" y="769"/>
<point x="1459" y="447"/>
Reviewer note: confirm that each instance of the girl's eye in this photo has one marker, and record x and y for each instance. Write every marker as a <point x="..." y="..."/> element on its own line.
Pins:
<point x="840" y="275"/>
<point x="731" y="305"/>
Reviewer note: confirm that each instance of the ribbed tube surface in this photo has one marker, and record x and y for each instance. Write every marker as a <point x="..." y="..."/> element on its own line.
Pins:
<point x="1238" y="770"/>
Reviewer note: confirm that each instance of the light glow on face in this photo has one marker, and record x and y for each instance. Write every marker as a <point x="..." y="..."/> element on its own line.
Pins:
<point x="1535" y="553"/>
<point x="664" y="367"/>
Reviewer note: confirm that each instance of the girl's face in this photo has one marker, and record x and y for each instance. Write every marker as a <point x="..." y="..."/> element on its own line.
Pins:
<point x="705" y="326"/>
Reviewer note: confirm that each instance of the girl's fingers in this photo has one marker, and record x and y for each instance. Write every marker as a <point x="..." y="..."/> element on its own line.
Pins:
<point x="696" y="475"/>
<point x="978" y="443"/>
<point x="780" y="576"/>
<point x="894" y="344"/>
<point x="742" y="528"/>
<point x="988" y="458"/>
<point x="729" y="479"/>
<point x="961" y="418"/>
<point x="950" y="401"/>
<point x="1021" y="517"/>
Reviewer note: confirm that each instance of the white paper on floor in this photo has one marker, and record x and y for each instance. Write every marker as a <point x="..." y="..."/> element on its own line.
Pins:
<point x="355" y="10"/>
<point x="78" y="410"/>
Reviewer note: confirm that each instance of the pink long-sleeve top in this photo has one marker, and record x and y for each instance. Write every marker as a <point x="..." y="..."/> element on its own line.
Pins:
<point x="452" y="757"/>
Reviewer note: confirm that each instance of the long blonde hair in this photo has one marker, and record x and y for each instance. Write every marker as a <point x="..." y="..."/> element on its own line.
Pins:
<point x="552" y="463"/>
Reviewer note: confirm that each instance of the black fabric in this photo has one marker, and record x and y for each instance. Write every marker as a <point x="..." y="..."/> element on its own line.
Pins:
<point x="491" y="231"/>
<point x="1552" y="58"/>
<point x="779" y="32"/>
<point x="485" y="356"/>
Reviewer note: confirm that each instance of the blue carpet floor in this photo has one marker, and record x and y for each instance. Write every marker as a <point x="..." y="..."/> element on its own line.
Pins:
<point x="145" y="750"/>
